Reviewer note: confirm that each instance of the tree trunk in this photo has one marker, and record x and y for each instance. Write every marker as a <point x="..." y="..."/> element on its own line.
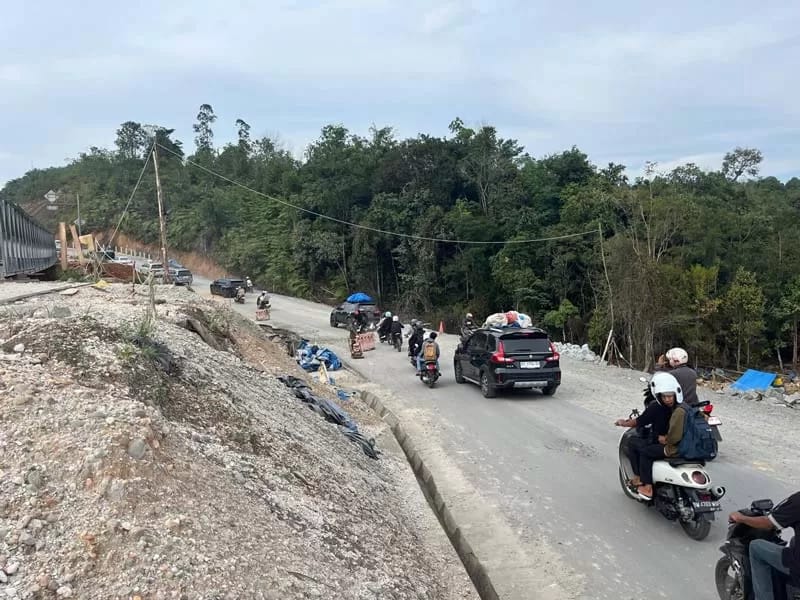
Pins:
<point x="794" y="344"/>
<point x="563" y="334"/>
<point x="739" y="353"/>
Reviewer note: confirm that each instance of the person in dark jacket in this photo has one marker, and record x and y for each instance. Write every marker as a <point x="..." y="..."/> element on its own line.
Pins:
<point x="396" y="327"/>
<point x="676" y="363"/>
<point x="766" y="556"/>
<point x="415" y="341"/>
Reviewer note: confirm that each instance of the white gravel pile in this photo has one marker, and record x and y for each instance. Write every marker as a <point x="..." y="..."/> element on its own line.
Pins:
<point x="576" y="352"/>
<point x="155" y="467"/>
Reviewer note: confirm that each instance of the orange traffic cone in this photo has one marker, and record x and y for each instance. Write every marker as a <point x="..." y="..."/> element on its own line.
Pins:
<point x="441" y="327"/>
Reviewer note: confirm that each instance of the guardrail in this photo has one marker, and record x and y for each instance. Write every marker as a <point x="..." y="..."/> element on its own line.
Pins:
<point x="25" y="246"/>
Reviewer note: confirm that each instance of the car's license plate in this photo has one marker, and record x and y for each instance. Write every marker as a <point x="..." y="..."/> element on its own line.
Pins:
<point x="714" y="421"/>
<point x="530" y="364"/>
<point x="529" y="384"/>
<point x="706" y="506"/>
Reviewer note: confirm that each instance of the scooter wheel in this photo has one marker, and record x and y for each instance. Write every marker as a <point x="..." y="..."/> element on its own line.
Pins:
<point x="729" y="586"/>
<point x="696" y="529"/>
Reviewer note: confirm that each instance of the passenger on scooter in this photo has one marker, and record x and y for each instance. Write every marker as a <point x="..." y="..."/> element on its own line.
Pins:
<point x="765" y="556"/>
<point x="654" y="422"/>
<point x="429" y="351"/>
<point x="468" y="322"/>
<point x="384" y="327"/>
<point x="667" y="392"/>
<point x="676" y="363"/>
<point x="240" y="293"/>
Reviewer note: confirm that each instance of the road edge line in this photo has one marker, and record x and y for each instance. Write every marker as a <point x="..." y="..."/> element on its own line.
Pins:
<point x="472" y="564"/>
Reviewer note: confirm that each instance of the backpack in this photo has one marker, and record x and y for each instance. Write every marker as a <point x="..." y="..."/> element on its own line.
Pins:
<point x="698" y="441"/>
<point x="429" y="351"/>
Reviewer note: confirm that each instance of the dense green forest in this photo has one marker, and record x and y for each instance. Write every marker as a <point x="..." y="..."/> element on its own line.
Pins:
<point x="707" y="260"/>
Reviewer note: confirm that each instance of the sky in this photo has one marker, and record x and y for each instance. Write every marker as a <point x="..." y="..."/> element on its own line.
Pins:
<point x="625" y="81"/>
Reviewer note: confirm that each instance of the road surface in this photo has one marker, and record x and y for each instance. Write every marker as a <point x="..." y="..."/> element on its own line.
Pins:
<point x="533" y="479"/>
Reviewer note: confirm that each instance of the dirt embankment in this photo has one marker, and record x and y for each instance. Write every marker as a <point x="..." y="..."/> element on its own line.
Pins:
<point x="136" y="461"/>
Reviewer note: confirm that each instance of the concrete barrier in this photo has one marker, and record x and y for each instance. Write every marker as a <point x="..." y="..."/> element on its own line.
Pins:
<point x="475" y="569"/>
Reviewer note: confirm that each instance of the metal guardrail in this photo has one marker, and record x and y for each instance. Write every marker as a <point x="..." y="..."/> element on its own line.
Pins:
<point x="25" y="246"/>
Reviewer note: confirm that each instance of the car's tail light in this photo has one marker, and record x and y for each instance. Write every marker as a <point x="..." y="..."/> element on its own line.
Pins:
<point x="699" y="477"/>
<point x="708" y="408"/>
<point x="500" y="357"/>
<point x="556" y="356"/>
<point x="356" y="312"/>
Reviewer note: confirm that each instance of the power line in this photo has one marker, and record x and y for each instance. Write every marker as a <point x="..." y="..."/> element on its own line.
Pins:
<point x="367" y="227"/>
<point x="133" y="193"/>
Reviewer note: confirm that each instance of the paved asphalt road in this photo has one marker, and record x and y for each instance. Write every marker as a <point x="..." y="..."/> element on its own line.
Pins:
<point x="533" y="479"/>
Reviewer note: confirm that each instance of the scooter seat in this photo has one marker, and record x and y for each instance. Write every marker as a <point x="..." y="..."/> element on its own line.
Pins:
<point x="677" y="462"/>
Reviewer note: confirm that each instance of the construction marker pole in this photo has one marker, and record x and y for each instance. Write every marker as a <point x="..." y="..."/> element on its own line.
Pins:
<point x="162" y="224"/>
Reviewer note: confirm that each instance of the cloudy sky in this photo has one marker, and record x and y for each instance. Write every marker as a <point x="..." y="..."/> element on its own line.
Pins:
<point x="625" y="81"/>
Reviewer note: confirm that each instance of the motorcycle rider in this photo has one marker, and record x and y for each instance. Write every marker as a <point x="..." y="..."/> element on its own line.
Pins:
<point x="249" y="284"/>
<point x="240" y="293"/>
<point x="667" y="392"/>
<point x="676" y="363"/>
<point x="764" y="555"/>
<point x="428" y="349"/>
<point x="415" y="341"/>
<point x="468" y="322"/>
<point x="396" y="328"/>
<point x="384" y="327"/>
<point x="263" y="300"/>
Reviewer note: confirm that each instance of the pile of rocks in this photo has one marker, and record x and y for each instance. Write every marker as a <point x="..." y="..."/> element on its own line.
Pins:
<point x="576" y="352"/>
<point x="777" y="395"/>
<point x="136" y="461"/>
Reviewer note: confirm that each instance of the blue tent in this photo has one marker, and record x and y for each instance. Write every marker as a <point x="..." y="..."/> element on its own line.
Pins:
<point x="359" y="297"/>
<point x="753" y="380"/>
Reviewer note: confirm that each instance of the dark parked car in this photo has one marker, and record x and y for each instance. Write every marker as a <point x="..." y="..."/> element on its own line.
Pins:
<point x="508" y="358"/>
<point x="226" y="287"/>
<point x="345" y="313"/>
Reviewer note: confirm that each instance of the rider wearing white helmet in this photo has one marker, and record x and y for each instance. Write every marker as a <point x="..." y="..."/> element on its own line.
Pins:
<point x="676" y="363"/>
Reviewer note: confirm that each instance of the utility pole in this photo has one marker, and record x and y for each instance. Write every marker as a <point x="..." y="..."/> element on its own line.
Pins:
<point x="161" y="222"/>
<point x="78" y="200"/>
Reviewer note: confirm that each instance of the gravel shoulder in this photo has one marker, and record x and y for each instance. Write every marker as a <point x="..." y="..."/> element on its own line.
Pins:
<point x="140" y="462"/>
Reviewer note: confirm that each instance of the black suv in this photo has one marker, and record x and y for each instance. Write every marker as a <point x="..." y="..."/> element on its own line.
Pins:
<point x="508" y="358"/>
<point x="226" y="287"/>
<point x="345" y="313"/>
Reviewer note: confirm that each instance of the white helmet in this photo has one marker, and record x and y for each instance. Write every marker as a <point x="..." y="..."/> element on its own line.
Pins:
<point x="664" y="383"/>
<point x="469" y="315"/>
<point x="677" y="356"/>
<point x="395" y="318"/>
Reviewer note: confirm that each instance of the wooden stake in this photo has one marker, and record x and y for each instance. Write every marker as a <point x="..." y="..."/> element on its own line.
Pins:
<point x="162" y="224"/>
<point x="62" y="237"/>
<point x="608" y="341"/>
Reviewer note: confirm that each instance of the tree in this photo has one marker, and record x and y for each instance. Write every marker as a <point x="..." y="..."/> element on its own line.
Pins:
<point x="205" y="135"/>
<point x="243" y="133"/>
<point x="742" y="161"/>
<point x="131" y="140"/>
<point x="744" y="307"/>
<point x="789" y="309"/>
<point x="561" y="316"/>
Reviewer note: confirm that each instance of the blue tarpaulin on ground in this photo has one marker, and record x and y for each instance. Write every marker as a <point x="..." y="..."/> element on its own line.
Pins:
<point x="359" y="297"/>
<point x="753" y="380"/>
<point x="309" y="357"/>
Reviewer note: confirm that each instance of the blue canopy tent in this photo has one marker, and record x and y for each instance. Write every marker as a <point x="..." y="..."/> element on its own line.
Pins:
<point x="753" y="380"/>
<point x="359" y="297"/>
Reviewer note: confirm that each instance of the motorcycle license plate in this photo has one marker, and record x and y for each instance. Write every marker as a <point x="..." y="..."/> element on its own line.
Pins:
<point x="530" y="364"/>
<point x="706" y="506"/>
<point x="714" y="421"/>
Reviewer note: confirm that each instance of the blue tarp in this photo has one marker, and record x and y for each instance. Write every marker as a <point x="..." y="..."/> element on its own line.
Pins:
<point x="753" y="380"/>
<point x="359" y="297"/>
<point x="309" y="357"/>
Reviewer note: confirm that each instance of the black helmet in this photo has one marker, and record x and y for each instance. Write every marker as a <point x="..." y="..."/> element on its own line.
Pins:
<point x="433" y="335"/>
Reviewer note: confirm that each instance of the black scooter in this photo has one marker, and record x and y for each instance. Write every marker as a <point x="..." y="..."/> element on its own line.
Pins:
<point x="732" y="573"/>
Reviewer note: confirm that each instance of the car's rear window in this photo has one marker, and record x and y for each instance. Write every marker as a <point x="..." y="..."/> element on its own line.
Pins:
<point x="237" y="282"/>
<point x="526" y="343"/>
<point x="184" y="272"/>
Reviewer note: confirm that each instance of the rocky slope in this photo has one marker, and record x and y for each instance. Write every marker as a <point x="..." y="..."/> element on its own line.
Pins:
<point x="138" y="461"/>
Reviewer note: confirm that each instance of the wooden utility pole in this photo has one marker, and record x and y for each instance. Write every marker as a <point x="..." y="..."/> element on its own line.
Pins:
<point x="162" y="224"/>
<point x="62" y="237"/>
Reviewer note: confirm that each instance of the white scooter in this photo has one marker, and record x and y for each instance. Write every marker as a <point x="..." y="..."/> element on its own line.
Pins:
<point x="682" y="489"/>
